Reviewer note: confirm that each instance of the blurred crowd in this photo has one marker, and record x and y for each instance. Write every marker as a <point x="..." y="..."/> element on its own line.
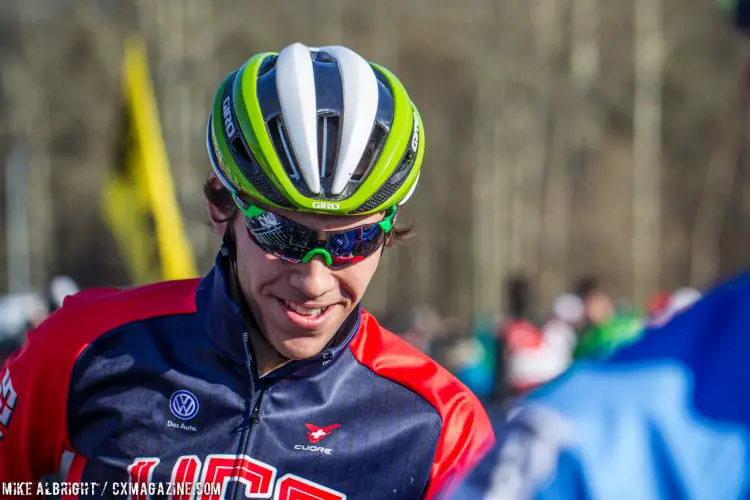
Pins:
<point x="525" y="346"/>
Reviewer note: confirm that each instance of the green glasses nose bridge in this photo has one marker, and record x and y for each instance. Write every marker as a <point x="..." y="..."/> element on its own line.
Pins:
<point x="318" y="251"/>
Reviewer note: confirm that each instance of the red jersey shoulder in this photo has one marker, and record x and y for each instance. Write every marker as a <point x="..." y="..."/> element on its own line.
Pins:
<point x="392" y="357"/>
<point x="93" y="312"/>
<point x="466" y="434"/>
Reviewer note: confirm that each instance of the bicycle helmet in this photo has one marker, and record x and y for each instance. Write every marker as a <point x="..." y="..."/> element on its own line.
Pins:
<point x="317" y="130"/>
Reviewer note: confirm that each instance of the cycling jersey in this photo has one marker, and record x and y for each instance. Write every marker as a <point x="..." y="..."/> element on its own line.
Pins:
<point x="156" y="385"/>
<point x="667" y="417"/>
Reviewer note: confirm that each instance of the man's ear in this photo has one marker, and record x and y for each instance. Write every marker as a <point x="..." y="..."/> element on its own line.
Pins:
<point x="219" y="218"/>
<point x="219" y="204"/>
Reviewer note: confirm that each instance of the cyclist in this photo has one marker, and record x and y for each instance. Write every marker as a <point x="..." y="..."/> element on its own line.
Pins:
<point x="265" y="377"/>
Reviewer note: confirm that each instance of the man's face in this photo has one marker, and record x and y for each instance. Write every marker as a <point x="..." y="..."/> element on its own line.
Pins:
<point x="300" y="307"/>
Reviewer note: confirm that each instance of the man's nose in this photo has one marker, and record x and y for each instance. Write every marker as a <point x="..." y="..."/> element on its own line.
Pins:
<point x="313" y="278"/>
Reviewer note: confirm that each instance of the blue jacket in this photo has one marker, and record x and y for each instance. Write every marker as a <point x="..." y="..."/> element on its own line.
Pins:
<point x="152" y="389"/>
<point x="665" y="418"/>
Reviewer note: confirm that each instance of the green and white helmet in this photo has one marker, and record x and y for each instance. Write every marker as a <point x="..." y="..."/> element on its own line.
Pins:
<point x="317" y="130"/>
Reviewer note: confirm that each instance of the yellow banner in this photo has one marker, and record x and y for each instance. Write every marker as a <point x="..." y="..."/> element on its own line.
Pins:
<point x="139" y="202"/>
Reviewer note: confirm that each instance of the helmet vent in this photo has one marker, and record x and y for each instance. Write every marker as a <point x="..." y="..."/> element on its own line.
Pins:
<point x="324" y="57"/>
<point x="281" y="143"/>
<point x="371" y="153"/>
<point x="239" y="150"/>
<point x="267" y="65"/>
<point x="328" y="139"/>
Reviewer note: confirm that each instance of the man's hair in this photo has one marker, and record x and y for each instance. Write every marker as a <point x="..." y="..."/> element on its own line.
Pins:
<point x="220" y="197"/>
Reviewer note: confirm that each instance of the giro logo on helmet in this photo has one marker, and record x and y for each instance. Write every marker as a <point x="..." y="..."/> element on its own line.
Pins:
<point x="415" y="133"/>
<point x="325" y="205"/>
<point x="227" y="113"/>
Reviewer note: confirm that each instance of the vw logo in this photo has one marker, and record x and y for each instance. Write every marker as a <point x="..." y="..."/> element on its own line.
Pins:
<point x="183" y="405"/>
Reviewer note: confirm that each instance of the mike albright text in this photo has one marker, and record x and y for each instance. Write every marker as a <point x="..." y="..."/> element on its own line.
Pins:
<point x="13" y="489"/>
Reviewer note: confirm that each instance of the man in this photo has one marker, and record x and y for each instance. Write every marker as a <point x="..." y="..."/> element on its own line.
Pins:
<point x="265" y="377"/>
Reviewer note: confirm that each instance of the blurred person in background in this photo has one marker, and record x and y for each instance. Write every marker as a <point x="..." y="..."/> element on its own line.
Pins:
<point x="520" y="341"/>
<point x="551" y="352"/>
<point x="467" y="353"/>
<point x="18" y="314"/>
<point x="657" y="304"/>
<point x="675" y="303"/>
<point x="663" y="418"/>
<point x="425" y="330"/>
<point x="60" y="288"/>
<point x="606" y="328"/>
<point x="267" y="367"/>
<point x="560" y="333"/>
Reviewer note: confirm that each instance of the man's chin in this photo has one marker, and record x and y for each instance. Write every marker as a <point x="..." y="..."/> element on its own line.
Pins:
<point x="303" y="344"/>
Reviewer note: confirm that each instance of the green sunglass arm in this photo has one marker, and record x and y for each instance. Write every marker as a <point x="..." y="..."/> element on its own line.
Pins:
<point x="387" y="224"/>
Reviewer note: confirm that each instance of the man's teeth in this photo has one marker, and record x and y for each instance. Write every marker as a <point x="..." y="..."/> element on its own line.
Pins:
<point x="305" y="311"/>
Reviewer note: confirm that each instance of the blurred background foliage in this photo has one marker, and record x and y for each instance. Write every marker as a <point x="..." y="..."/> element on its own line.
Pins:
<point x="565" y="137"/>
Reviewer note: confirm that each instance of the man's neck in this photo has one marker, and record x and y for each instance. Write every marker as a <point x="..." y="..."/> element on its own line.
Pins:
<point x="266" y="358"/>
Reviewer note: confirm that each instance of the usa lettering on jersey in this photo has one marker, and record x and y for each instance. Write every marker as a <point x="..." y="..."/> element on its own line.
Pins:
<point x="7" y="403"/>
<point x="259" y="479"/>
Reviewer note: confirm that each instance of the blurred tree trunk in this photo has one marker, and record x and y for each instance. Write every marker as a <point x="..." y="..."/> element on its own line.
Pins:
<point x="508" y="106"/>
<point x="531" y="120"/>
<point x="721" y="174"/>
<point x="490" y="202"/>
<point x="554" y="244"/>
<point x="30" y="114"/>
<point x="530" y="110"/>
<point x="647" y="146"/>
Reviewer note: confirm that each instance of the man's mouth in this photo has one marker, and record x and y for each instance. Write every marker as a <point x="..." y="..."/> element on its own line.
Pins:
<point x="306" y="310"/>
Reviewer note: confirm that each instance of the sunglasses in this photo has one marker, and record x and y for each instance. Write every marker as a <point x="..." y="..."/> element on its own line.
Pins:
<point x="293" y="242"/>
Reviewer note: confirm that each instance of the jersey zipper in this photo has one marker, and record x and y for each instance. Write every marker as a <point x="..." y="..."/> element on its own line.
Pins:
<point x="244" y="440"/>
<point x="259" y="386"/>
<point x="255" y="418"/>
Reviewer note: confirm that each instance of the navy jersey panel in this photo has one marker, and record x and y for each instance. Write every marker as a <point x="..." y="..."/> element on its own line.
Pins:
<point x="179" y="386"/>
<point x="121" y="390"/>
<point x="384" y="446"/>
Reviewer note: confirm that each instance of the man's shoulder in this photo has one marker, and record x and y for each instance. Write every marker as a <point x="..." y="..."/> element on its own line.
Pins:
<point x="92" y="312"/>
<point x="164" y="295"/>
<point x="123" y="305"/>
<point x="466" y="433"/>
<point x="391" y="357"/>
